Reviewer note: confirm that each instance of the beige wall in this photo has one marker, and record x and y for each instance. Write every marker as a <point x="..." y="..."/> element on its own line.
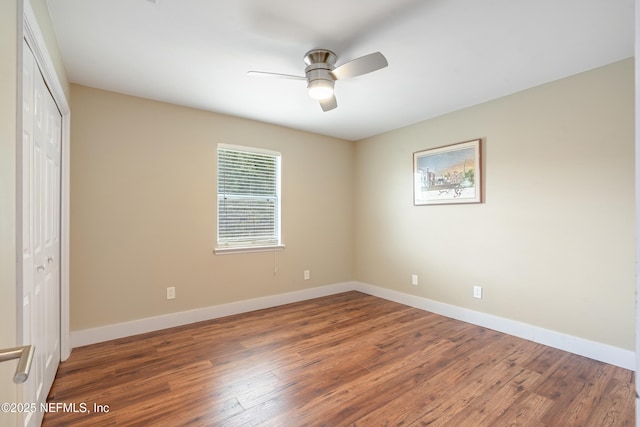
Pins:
<point x="143" y="210"/>
<point x="553" y="245"/>
<point x="8" y="87"/>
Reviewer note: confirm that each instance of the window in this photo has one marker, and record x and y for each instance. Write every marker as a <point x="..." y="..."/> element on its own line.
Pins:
<point x="248" y="199"/>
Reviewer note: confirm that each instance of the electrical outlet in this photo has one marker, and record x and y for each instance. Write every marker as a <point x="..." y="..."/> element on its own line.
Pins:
<point x="307" y="275"/>
<point x="171" y="292"/>
<point x="414" y="279"/>
<point x="477" y="292"/>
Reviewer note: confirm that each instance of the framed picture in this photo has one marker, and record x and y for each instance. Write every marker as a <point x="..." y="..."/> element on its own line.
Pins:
<point x="449" y="174"/>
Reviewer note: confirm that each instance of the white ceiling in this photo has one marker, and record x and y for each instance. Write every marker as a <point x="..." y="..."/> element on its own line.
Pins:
<point x="443" y="55"/>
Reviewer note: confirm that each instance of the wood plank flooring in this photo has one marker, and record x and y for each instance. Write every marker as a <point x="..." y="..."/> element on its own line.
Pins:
<point x="346" y="359"/>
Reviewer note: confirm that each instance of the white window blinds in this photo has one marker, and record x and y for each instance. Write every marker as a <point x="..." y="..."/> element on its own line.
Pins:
<point x="248" y="197"/>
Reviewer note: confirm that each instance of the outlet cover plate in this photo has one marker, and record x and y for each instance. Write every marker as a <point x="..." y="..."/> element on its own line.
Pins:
<point x="477" y="292"/>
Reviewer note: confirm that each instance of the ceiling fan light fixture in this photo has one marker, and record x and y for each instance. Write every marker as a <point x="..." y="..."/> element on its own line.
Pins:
<point x="320" y="89"/>
<point x="321" y="73"/>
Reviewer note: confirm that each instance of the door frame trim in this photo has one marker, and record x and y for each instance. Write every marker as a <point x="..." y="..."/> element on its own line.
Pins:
<point x="35" y="39"/>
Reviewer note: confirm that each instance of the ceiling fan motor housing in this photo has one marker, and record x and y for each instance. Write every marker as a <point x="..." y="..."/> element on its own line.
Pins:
<point x="320" y="63"/>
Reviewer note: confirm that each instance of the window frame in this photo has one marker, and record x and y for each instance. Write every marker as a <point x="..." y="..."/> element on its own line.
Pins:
<point x="259" y="245"/>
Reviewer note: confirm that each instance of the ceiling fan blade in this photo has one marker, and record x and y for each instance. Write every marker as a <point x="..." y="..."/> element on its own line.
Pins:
<point x="329" y="103"/>
<point x="359" y="66"/>
<point x="276" y="75"/>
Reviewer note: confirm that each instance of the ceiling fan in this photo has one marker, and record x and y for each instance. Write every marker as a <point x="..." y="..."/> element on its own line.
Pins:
<point x="321" y="73"/>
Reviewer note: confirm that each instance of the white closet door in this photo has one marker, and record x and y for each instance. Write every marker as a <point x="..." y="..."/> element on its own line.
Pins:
<point x="40" y="192"/>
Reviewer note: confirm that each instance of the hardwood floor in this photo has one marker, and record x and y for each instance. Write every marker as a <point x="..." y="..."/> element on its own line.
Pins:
<point x="346" y="359"/>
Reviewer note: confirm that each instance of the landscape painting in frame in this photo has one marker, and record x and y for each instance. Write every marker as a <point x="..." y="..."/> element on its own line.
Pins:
<point x="449" y="174"/>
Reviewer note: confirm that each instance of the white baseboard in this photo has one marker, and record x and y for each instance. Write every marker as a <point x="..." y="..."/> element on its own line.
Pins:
<point x="580" y="346"/>
<point x="150" y="324"/>
<point x="593" y="350"/>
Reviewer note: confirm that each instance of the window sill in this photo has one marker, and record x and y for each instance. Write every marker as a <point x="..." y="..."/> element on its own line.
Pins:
<point x="241" y="250"/>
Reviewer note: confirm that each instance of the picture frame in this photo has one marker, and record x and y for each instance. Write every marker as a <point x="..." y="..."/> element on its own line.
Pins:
<point x="451" y="174"/>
